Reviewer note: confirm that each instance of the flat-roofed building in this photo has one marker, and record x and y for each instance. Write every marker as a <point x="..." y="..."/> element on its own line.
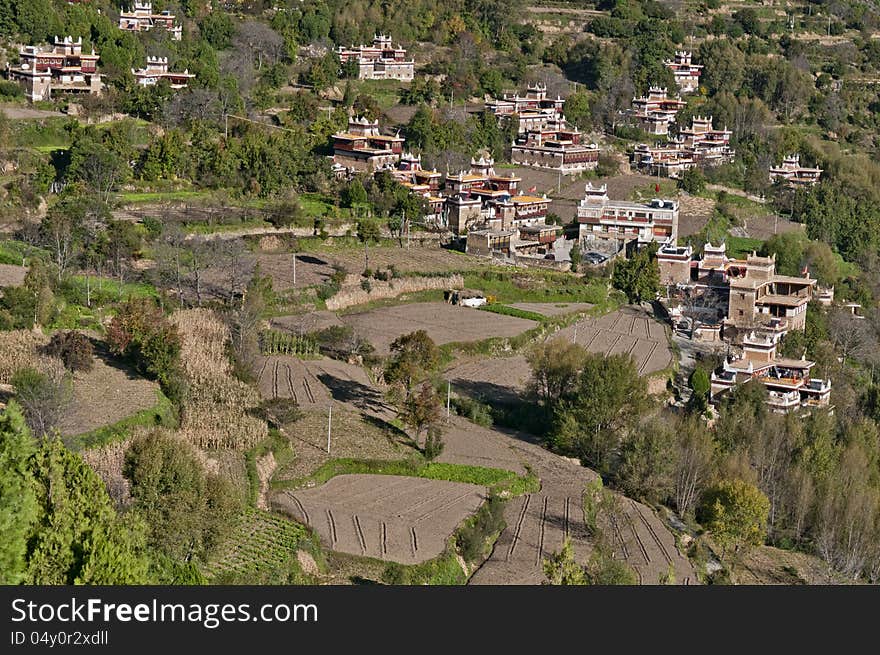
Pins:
<point x="364" y="148"/>
<point x="141" y="18"/>
<point x="796" y="175"/>
<point x="557" y="147"/>
<point x="656" y="111"/>
<point x="380" y="61"/>
<point x="698" y="145"/>
<point x="686" y="73"/>
<point x="61" y="67"/>
<point x="156" y="71"/>
<point x="788" y="381"/>
<point x="624" y="221"/>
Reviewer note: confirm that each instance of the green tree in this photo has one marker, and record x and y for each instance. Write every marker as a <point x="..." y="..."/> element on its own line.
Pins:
<point x="420" y="410"/>
<point x="413" y="357"/>
<point x="692" y="181"/>
<point x="18" y="506"/>
<point x="555" y="366"/>
<point x="700" y="385"/>
<point x="639" y="276"/>
<point x="78" y="538"/>
<point x="736" y="513"/>
<point x="561" y="568"/>
<point x="367" y="233"/>
<point x="188" y="511"/>
<point x="604" y="406"/>
<point x="647" y="462"/>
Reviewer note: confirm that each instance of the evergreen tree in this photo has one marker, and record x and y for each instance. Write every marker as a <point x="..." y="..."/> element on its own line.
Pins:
<point x="18" y="506"/>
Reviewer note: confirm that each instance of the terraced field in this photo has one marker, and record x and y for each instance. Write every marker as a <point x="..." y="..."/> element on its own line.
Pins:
<point x="537" y="523"/>
<point x="259" y="541"/>
<point x="313" y="383"/>
<point x="400" y="519"/>
<point x="444" y="323"/>
<point x="629" y="330"/>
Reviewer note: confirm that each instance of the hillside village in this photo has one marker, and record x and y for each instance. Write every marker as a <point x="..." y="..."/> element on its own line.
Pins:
<point x="326" y="292"/>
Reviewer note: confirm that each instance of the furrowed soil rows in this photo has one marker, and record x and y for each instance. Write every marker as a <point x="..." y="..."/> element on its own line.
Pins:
<point x="537" y="523"/>
<point x="628" y="330"/>
<point x="444" y="323"/>
<point x="402" y="519"/>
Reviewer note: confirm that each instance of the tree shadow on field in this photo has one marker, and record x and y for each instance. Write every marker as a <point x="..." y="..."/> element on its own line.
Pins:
<point x="395" y="434"/>
<point x="364" y="397"/>
<point x="487" y="392"/>
<point x="102" y="352"/>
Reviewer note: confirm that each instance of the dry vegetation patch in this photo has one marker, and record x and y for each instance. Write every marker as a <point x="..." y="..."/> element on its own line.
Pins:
<point x="20" y="349"/>
<point x="215" y="404"/>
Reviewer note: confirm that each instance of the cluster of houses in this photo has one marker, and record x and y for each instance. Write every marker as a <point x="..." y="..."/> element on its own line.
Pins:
<point x="748" y="304"/>
<point x="63" y="67"/>
<point x="545" y="139"/>
<point x="380" y="61"/>
<point x="698" y="145"/>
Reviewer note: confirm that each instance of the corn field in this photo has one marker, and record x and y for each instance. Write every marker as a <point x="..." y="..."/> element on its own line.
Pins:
<point x="274" y="342"/>
<point x="215" y="404"/>
<point x="20" y="349"/>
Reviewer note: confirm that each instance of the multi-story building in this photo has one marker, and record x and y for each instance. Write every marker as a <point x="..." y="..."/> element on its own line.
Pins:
<point x="142" y="18"/>
<point x="533" y="110"/>
<point x="698" y="145"/>
<point x="655" y="112"/>
<point x="557" y="147"/>
<point x="758" y="294"/>
<point x="795" y="174"/>
<point x="380" y="61"/>
<point x="687" y="74"/>
<point x="753" y="295"/>
<point x="788" y="382"/>
<point x="63" y="67"/>
<point x="364" y="148"/>
<point x="622" y="221"/>
<point x="156" y="70"/>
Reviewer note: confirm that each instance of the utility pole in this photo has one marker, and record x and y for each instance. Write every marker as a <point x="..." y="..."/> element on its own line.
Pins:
<point x="575" y="340"/>
<point x="329" y="422"/>
<point x="449" y="396"/>
<point x="226" y="126"/>
<point x="294" y="269"/>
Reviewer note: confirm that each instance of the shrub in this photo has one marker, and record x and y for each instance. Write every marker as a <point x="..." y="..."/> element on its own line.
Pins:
<point x="473" y="537"/>
<point x="433" y="444"/>
<point x="73" y="348"/>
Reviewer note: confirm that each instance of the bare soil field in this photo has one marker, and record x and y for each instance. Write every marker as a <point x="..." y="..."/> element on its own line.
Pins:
<point x="305" y="322"/>
<point x="12" y="275"/>
<point x="496" y="379"/>
<point x="629" y="330"/>
<point x="416" y="259"/>
<point x="310" y="269"/>
<point x="551" y="308"/>
<point x="444" y="323"/>
<point x="105" y="395"/>
<point x="468" y="443"/>
<point x="401" y="519"/>
<point x="537" y="523"/>
<point x="768" y="565"/>
<point x="353" y="435"/>
<point x="313" y="383"/>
